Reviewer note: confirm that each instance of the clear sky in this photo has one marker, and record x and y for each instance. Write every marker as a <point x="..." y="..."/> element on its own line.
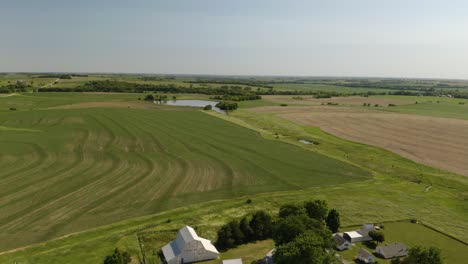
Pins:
<point x="388" y="38"/>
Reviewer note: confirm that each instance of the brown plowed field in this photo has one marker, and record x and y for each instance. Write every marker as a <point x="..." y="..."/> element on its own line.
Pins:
<point x="437" y="142"/>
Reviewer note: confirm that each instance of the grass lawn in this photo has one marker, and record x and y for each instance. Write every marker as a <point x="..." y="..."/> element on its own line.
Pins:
<point x="411" y="235"/>
<point x="248" y="252"/>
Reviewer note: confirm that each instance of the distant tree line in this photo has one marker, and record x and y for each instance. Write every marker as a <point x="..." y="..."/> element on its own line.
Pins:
<point x="227" y="106"/>
<point x="62" y="76"/>
<point x="128" y="87"/>
<point x="18" y="87"/>
<point x="237" y="98"/>
<point x="230" y="81"/>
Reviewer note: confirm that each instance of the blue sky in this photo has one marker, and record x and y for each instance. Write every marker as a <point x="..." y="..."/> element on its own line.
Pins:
<point x="316" y="38"/>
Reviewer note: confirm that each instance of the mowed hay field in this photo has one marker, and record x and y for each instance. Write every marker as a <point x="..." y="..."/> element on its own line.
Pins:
<point x="437" y="142"/>
<point x="66" y="170"/>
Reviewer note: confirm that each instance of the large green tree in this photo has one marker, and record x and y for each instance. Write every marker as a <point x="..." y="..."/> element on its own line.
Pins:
<point x="333" y="220"/>
<point x="317" y="209"/>
<point x="262" y="225"/>
<point x="420" y="255"/>
<point x="307" y="248"/>
<point x="291" y="209"/>
<point x="377" y="236"/>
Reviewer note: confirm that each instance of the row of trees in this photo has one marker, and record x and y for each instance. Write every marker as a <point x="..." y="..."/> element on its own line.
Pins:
<point x="227" y="106"/>
<point x="236" y="98"/>
<point x="18" y="87"/>
<point x="258" y="226"/>
<point x="302" y="232"/>
<point x="129" y="87"/>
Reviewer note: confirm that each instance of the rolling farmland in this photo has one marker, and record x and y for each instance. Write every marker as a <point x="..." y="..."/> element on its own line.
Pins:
<point x="437" y="142"/>
<point x="65" y="170"/>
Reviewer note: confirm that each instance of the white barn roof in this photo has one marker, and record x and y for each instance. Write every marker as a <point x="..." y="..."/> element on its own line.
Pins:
<point x="353" y="234"/>
<point x="183" y="246"/>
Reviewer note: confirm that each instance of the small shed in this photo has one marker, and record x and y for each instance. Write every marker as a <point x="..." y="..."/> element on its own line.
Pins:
<point x="232" y="261"/>
<point x="395" y="250"/>
<point x="340" y="242"/>
<point x="365" y="256"/>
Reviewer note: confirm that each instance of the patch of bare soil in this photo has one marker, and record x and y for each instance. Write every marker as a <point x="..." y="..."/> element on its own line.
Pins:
<point x="437" y="142"/>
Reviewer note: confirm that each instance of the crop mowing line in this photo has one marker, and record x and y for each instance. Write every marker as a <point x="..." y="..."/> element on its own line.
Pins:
<point x="26" y="212"/>
<point x="181" y="163"/>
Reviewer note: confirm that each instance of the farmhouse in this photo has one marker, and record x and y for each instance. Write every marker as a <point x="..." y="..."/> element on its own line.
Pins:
<point x="232" y="261"/>
<point x="394" y="250"/>
<point x="360" y="235"/>
<point x="365" y="256"/>
<point x="189" y="247"/>
<point x="340" y="242"/>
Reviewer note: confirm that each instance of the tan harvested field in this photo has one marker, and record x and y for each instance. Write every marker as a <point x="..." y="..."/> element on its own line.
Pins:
<point x="352" y="100"/>
<point x="437" y="142"/>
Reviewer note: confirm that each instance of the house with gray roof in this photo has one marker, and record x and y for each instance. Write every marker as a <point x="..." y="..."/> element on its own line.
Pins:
<point x="188" y="247"/>
<point x="395" y="250"/>
<point x="340" y="242"/>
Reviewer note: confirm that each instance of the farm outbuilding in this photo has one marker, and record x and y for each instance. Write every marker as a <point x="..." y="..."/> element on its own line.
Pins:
<point x="394" y="250"/>
<point x="189" y="247"/>
<point x="365" y="256"/>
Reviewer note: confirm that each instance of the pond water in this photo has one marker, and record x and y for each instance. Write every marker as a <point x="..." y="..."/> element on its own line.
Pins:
<point x="193" y="103"/>
<point x="307" y="142"/>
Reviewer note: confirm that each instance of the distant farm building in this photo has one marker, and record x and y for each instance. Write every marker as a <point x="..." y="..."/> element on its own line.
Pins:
<point x="394" y="250"/>
<point x="340" y="242"/>
<point x="365" y="256"/>
<point x="360" y="235"/>
<point x="189" y="247"/>
<point x="232" y="261"/>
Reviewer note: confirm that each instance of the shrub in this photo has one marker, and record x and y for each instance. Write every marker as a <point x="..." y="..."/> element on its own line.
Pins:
<point x="12" y="108"/>
<point x="283" y="105"/>
<point x="207" y="107"/>
<point x="118" y="257"/>
<point x="391" y="105"/>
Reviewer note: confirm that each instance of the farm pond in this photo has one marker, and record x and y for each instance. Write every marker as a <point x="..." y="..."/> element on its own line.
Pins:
<point x="192" y="103"/>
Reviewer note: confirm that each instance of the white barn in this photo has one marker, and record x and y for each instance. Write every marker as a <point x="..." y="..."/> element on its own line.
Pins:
<point x="189" y="247"/>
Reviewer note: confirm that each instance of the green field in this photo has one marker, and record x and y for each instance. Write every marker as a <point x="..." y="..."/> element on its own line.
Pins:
<point x="74" y="169"/>
<point x="432" y="106"/>
<point x="124" y="170"/>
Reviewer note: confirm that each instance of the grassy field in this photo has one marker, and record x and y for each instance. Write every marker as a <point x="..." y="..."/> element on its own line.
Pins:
<point x="67" y="170"/>
<point x="411" y="235"/>
<point x="438" y="142"/>
<point x="392" y="194"/>
<point x="430" y="106"/>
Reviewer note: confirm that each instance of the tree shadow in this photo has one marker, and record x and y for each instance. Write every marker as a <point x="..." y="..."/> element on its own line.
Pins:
<point x="370" y="244"/>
